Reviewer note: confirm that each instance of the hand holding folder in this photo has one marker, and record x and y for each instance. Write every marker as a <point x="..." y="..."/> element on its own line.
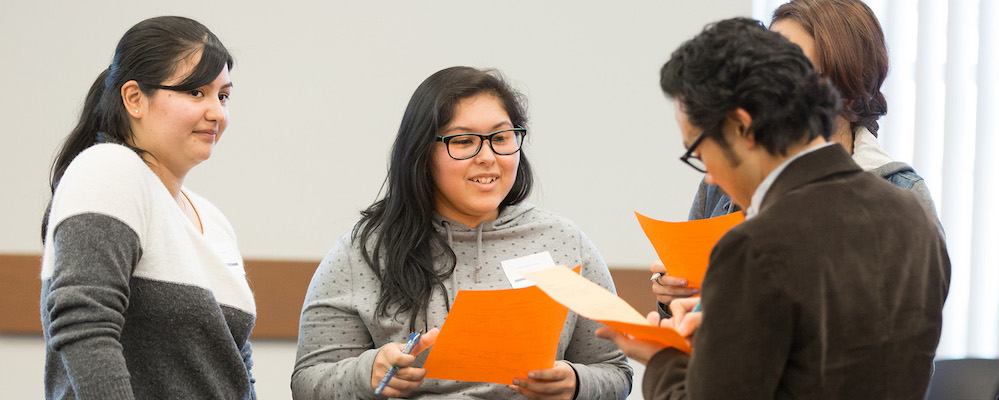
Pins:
<point x="497" y="335"/>
<point x="596" y="303"/>
<point x="684" y="247"/>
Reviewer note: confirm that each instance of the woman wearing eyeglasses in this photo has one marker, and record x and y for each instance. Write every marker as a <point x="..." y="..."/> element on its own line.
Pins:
<point x="453" y="210"/>
<point x="844" y="41"/>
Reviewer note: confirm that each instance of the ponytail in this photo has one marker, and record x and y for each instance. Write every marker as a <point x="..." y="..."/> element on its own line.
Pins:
<point x="80" y="138"/>
<point x="868" y="112"/>
<point x="84" y="134"/>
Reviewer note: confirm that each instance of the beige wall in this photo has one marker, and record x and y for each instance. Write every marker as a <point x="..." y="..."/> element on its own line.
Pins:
<point x="320" y="87"/>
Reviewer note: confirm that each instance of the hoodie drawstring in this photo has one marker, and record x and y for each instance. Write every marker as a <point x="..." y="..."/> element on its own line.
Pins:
<point x="478" y="257"/>
<point x="449" y="294"/>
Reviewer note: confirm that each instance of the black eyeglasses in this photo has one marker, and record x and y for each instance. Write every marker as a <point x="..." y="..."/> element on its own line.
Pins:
<point x="466" y="145"/>
<point x="694" y="161"/>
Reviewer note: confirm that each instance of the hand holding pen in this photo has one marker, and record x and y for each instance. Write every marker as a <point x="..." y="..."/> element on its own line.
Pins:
<point x="392" y="374"/>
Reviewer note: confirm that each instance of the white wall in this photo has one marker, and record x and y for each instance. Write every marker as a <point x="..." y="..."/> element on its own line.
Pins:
<point x="320" y="88"/>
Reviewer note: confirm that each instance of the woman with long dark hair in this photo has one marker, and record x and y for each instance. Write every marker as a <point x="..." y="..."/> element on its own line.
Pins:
<point x="143" y="289"/>
<point x="454" y="208"/>
<point x="844" y="41"/>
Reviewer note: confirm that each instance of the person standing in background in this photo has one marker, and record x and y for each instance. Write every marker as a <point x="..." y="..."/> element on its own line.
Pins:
<point x="844" y="41"/>
<point x="834" y="286"/>
<point x="144" y="295"/>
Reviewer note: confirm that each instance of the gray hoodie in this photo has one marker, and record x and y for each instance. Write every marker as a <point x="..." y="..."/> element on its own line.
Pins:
<point x="340" y="331"/>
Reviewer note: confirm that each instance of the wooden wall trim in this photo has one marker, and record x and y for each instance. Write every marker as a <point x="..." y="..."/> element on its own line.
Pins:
<point x="279" y="288"/>
<point x="20" y="288"/>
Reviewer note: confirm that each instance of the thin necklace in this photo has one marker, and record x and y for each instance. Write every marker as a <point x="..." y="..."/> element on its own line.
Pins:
<point x="196" y="214"/>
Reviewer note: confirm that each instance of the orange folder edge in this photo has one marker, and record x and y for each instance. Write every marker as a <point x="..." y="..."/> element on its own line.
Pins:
<point x="685" y="247"/>
<point x="663" y="336"/>
<point x="654" y="334"/>
<point x="449" y="364"/>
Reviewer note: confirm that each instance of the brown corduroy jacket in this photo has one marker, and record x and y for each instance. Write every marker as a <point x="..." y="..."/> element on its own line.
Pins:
<point x="833" y="291"/>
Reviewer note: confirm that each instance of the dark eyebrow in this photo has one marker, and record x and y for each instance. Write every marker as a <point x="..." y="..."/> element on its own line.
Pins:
<point x="469" y="130"/>
<point x="228" y="85"/>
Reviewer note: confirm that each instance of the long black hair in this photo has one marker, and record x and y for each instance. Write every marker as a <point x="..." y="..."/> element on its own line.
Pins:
<point x="149" y="54"/>
<point x="396" y="233"/>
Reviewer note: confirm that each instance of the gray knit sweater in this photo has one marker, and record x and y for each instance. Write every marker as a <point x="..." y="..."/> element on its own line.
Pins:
<point x="136" y="302"/>
<point x="340" y="332"/>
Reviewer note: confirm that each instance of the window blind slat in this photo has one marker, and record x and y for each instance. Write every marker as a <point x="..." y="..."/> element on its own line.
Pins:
<point x="983" y="338"/>
<point x="956" y="181"/>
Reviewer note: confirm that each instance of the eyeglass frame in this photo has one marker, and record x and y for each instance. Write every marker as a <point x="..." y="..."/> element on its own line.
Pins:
<point x="690" y="154"/>
<point x="488" y="136"/>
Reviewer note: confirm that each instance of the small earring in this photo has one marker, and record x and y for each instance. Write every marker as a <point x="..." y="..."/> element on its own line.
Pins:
<point x="136" y="110"/>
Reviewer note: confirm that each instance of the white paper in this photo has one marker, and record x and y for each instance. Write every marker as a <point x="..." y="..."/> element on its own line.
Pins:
<point x="531" y="263"/>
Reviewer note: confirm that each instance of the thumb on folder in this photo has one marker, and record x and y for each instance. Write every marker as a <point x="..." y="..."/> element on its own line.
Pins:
<point x="685" y="321"/>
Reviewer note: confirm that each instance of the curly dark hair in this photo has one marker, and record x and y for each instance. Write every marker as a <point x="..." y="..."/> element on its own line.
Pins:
<point x="738" y="63"/>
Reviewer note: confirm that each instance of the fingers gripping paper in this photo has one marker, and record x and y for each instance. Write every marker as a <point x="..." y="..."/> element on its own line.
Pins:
<point x="596" y="303"/>
<point x="497" y="335"/>
<point x="685" y="247"/>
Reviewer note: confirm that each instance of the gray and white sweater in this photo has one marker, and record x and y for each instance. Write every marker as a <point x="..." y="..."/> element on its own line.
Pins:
<point x="136" y="302"/>
<point x="340" y="331"/>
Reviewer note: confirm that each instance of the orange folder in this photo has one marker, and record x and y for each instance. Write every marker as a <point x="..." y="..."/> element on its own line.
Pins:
<point x="684" y="247"/>
<point x="592" y="301"/>
<point x="497" y="335"/>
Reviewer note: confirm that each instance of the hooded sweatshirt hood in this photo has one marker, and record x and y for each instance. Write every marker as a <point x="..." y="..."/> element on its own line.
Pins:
<point x="342" y="329"/>
<point x="508" y="219"/>
<point x="869" y="155"/>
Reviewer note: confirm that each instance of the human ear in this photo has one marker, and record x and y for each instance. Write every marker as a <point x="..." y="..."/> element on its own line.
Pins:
<point x="739" y="121"/>
<point x="741" y="118"/>
<point x="132" y="98"/>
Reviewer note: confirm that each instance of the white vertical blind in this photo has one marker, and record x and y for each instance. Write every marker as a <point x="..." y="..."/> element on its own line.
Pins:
<point x="898" y="21"/>
<point x="942" y="106"/>
<point x="957" y="179"/>
<point x="983" y="336"/>
<point x="931" y="51"/>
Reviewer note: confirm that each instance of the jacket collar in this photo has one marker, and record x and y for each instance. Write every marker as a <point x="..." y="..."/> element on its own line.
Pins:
<point x="818" y="165"/>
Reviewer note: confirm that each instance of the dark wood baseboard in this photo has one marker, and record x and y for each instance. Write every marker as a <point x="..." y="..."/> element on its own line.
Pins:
<point x="279" y="288"/>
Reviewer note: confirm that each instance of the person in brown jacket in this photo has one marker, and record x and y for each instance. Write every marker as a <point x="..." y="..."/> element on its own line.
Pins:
<point x="834" y="285"/>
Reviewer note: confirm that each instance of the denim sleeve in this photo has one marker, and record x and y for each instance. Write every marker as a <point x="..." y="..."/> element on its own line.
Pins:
<point x="700" y="205"/>
<point x="923" y="193"/>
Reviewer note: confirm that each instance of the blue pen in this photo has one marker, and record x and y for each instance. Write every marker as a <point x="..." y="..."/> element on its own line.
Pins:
<point x="697" y="307"/>
<point x="410" y="345"/>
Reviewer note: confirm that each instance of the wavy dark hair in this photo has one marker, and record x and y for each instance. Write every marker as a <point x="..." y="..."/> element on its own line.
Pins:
<point x="396" y="233"/>
<point x="738" y="63"/>
<point x="148" y="53"/>
<point x="851" y="51"/>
